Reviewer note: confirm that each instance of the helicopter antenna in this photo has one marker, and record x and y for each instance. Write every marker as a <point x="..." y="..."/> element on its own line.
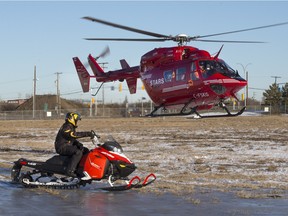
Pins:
<point x="216" y="56"/>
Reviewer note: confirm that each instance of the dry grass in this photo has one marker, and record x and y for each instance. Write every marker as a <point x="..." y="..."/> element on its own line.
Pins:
<point x="242" y="152"/>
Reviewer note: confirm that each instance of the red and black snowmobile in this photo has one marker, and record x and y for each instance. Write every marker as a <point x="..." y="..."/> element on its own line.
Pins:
<point x="105" y="162"/>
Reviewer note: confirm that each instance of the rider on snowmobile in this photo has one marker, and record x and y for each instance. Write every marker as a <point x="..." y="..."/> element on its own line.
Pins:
<point x="66" y="142"/>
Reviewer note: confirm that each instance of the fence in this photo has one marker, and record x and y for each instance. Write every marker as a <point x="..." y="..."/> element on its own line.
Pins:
<point x="107" y="112"/>
<point x="85" y="112"/>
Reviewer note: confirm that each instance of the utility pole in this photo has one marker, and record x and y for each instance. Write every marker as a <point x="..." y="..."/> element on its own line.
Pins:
<point x="246" y="100"/>
<point x="58" y="102"/>
<point x="246" y="75"/>
<point x="34" y="92"/>
<point x="275" y="77"/>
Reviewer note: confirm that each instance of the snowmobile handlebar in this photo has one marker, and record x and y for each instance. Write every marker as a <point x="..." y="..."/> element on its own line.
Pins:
<point x="94" y="133"/>
<point x="95" y="139"/>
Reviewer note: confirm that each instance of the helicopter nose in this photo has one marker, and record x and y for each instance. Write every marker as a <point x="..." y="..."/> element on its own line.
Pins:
<point x="227" y="87"/>
<point x="218" y="88"/>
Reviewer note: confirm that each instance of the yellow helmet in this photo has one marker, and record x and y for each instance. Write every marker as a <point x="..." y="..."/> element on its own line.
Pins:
<point x="73" y="118"/>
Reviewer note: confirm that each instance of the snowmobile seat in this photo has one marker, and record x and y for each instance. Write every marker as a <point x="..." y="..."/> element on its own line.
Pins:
<point x="58" y="160"/>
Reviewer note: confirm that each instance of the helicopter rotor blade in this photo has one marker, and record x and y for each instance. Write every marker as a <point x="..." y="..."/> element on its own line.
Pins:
<point x="228" y="41"/>
<point x="153" y="34"/>
<point x="241" y="30"/>
<point x="181" y="38"/>
<point x="129" y="39"/>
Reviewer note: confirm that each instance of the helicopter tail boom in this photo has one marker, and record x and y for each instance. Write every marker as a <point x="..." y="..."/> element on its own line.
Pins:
<point x="130" y="74"/>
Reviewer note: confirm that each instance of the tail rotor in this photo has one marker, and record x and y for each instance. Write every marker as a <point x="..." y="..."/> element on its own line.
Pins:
<point x="103" y="54"/>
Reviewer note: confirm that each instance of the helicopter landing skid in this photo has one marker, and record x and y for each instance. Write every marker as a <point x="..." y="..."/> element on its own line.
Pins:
<point x="194" y="111"/>
<point x="229" y="114"/>
<point x="181" y="113"/>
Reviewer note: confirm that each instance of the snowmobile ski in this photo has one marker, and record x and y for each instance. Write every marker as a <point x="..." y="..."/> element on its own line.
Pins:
<point x="147" y="181"/>
<point x="131" y="184"/>
<point x="135" y="182"/>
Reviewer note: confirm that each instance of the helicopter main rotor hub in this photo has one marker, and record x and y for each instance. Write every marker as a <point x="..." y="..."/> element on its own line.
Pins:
<point x="181" y="39"/>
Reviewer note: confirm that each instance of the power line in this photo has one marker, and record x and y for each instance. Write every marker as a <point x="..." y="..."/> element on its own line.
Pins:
<point x="276" y="77"/>
<point x="257" y="89"/>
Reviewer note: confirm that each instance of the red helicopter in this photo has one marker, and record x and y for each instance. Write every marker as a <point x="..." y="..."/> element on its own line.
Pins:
<point x="174" y="77"/>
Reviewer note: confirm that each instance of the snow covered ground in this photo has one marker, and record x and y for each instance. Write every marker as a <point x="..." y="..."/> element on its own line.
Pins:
<point x="245" y="154"/>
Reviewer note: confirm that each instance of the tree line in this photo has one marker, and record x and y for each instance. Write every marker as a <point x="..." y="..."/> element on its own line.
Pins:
<point x="276" y="97"/>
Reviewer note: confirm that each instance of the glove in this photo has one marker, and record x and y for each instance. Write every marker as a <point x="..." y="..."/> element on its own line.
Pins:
<point x="90" y="134"/>
<point x="87" y="134"/>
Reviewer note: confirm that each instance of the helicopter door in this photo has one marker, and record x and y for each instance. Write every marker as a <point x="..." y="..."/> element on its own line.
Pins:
<point x="194" y="74"/>
<point x="175" y="81"/>
<point x="194" y="81"/>
<point x="181" y="79"/>
<point x="169" y="77"/>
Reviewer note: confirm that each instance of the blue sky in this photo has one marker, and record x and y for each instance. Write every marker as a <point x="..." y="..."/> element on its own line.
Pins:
<point x="49" y="34"/>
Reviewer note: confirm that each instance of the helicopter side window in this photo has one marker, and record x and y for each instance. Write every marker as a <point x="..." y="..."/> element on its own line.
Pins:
<point x="202" y="66"/>
<point x="180" y="74"/>
<point x="207" y="68"/>
<point x="168" y="76"/>
<point x="194" y="73"/>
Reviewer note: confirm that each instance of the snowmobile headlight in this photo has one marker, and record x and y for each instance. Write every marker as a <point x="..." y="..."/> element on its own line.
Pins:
<point x="115" y="149"/>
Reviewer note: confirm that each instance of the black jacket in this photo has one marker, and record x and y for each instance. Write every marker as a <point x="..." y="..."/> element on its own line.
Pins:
<point x="67" y="135"/>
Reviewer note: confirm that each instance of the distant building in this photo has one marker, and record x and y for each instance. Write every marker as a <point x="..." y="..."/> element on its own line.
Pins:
<point x="16" y="101"/>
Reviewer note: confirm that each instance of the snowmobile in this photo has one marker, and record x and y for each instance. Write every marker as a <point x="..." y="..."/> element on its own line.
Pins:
<point x="105" y="162"/>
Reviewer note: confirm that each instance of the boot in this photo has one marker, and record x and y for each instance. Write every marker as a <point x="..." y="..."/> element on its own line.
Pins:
<point x="71" y="173"/>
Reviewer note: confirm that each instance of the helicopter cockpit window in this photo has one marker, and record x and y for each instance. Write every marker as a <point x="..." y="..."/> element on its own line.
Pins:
<point x="210" y="67"/>
<point x="232" y="72"/>
<point x="180" y="74"/>
<point x="168" y="76"/>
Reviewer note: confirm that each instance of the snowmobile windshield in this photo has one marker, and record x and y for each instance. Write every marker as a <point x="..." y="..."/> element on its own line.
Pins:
<point x="210" y="67"/>
<point x="112" y="146"/>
